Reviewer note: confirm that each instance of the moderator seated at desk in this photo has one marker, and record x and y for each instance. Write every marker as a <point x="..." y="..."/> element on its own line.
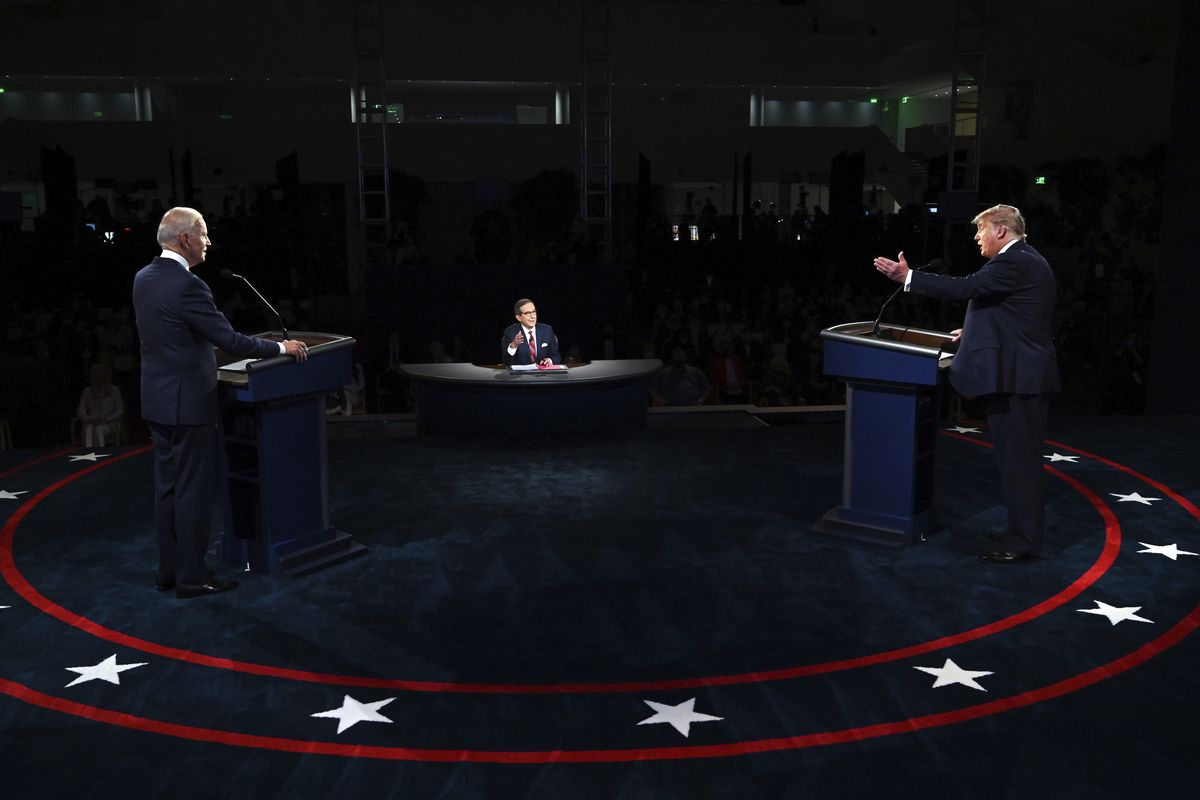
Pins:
<point x="467" y="398"/>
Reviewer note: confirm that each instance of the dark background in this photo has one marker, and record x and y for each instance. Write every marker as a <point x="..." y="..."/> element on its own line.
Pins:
<point x="110" y="115"/>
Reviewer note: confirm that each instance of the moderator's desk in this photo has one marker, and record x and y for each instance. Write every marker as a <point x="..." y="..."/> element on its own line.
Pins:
<point x="466" y="398"/>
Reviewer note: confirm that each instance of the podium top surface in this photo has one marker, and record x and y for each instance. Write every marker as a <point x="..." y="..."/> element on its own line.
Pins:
<point x="898" y="338"/>
<point x="237" y="372"/>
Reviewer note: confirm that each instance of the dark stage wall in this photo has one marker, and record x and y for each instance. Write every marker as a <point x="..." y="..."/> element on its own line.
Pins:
<point x="1174" y="381"/>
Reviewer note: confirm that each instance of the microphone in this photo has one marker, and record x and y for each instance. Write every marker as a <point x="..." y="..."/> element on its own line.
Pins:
<point x="935" y="264"/>
<point x="227" y="274"/>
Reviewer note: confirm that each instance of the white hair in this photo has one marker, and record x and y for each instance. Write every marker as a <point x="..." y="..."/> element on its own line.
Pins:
<point x="178" y="220"/>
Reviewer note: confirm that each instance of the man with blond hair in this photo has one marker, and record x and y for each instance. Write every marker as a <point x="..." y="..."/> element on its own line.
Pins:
<point x="180" y="328"/>
<point x="1006" y="358"/>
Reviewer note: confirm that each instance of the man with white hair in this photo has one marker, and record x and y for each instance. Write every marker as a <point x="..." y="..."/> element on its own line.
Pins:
<point x="179" y="327"/>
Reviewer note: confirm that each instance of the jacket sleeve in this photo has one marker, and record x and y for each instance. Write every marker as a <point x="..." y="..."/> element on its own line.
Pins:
<point x="996" y="277"/>
<point x="505" y="339"/>
<point x="201" y="315"/>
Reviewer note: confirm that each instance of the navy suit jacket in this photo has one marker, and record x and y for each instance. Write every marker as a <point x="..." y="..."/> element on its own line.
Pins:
<point x="179" y="326"/>
<point x="1007" y="341"/>
<point x="547" y="345"/>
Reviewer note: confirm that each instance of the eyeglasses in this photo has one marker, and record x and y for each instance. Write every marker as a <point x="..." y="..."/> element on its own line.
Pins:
<point x="527" y="313"/>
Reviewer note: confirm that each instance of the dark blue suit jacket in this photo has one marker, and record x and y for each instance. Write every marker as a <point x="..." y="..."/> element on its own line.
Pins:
<point x="1007" y="341"/>
<point x="179" y="326"/>
<point x="547" y="345"/>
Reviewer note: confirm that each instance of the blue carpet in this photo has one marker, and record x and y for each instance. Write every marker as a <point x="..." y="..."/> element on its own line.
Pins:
<point x="530" y="602"/>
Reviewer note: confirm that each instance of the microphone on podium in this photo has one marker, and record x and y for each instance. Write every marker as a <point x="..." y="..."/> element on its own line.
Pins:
<point x="935" y="264"/>
<point x="227" y="274"/>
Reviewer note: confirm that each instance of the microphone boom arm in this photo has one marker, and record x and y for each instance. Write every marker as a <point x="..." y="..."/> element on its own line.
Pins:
<point x="225" y="273"/>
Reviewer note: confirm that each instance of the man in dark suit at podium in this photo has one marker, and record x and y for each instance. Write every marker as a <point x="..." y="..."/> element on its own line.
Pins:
<point x="527" y="341"/>
<point x="1005" y="357"/>
<point x="179" y="327"/>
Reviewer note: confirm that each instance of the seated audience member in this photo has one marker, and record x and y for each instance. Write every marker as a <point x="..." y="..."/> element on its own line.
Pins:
<point x="779" y="388"/>
<point x="356" y="392"/>
<point x="336" y="403"/>
<point x="679" y="383"/>
<point x="100" y="407"/>
<point x="728" y="372"/>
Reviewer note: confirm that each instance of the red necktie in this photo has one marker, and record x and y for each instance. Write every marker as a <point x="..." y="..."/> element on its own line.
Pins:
<point x="532" y="347"/>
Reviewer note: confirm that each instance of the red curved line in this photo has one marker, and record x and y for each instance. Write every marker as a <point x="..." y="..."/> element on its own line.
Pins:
<point x="1139" y="656"/>
<point x="39" y="460"/>
<point x="1167" y="490"/>
<point x="9" y="571"/>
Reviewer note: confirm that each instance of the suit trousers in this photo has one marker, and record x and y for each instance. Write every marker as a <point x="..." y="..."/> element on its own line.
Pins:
<point x="1017" y="423"/>
<point x="185" y="472"/>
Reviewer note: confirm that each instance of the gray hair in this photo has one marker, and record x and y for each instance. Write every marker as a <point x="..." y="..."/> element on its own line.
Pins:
<point x="177" y="221"/>
<point x="1008" y="216"/>
<point x="517" y="305"/>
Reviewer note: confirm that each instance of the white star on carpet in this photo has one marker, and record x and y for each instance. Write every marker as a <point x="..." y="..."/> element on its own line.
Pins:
<point x="961" y="429"/>
<point x="89" y="457"/>
<point x="1114" y="613"/>
<point x="4" y="607"/>
<point x="1134" y="498"/>
<point x="1171" y="551"/>
<point x="353" y="712"/>
<point x="107" y="670"/>
<point x="1060" y="457"/>
<point x="950" y="673"/>
<point x="11" y="495"/>
<point x="679" y="717"/>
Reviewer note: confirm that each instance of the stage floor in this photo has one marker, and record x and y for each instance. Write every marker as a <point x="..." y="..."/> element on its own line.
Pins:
<point x="641" y="615"/>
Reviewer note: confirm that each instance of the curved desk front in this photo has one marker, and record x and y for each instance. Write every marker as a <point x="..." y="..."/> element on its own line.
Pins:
<point x="470" y="399"/>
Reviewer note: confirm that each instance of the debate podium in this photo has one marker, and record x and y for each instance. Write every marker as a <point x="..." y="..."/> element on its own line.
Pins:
<point x="893" y="380"/>
<point x="273" y="417"/>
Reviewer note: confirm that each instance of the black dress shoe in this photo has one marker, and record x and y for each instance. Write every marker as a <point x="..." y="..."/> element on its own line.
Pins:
<point x="164" y="584"/>
<point x="1005" y="557"/>
<point x="212" y="586"/>
<point x="999" y="538"/>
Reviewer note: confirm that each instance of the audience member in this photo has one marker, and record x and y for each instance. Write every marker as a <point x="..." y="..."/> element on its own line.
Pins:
<point x="101" y="408"/>
<point x="679" y="383"/>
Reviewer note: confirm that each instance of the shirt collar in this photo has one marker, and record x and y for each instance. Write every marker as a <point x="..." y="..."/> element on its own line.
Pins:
<point x="171" y="254"/>
<point x="1010" y="244"/>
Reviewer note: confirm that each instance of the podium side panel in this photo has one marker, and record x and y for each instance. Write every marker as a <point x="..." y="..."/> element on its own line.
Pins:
<point x="292" y="468"/>
<point x="880" y="449"/>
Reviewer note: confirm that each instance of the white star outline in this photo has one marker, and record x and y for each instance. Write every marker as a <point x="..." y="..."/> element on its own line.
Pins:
<point x="1171" y="551"/>
<point x="963" y="429"/>
<point x="107" y="670"/>
<point x="1134" y="498"/>
<point x="90" y="456"/>
<point x="1055" y="457"/>
<point x="679" y="717"/>
<point x="1115" y="614"/>
<point x="354" y="711"/>
<point x="950" y="674"/>
<point x="6" y="495"/>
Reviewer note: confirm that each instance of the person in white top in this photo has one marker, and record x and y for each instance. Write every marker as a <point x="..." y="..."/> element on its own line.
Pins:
<point x="100" y="407"/>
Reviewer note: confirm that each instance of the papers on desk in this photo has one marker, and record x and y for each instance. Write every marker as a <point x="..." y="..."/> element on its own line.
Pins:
<point x="238" y="366"/>
<point x="536" y="369"/>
